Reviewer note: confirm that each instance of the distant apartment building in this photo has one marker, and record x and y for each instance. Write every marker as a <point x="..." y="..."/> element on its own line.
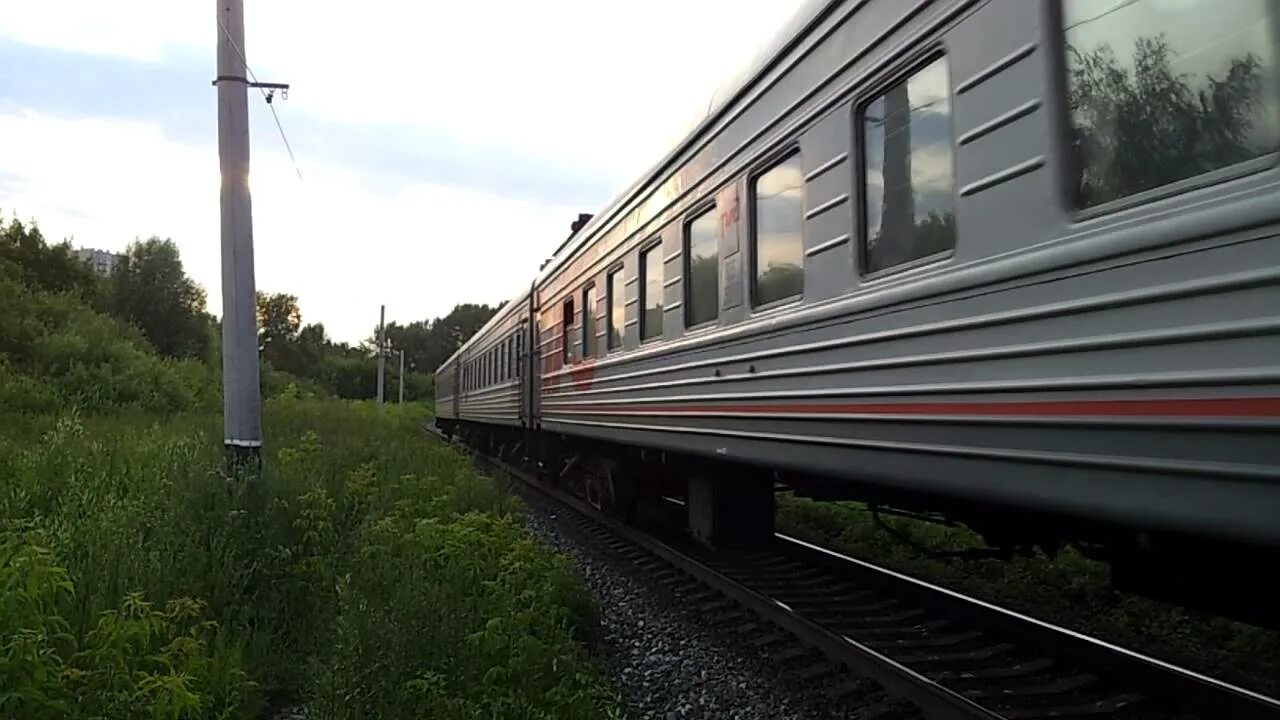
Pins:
<point x="101" y="261"/>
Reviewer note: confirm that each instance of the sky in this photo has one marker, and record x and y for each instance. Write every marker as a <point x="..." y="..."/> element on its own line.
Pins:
<point x="444" y="147"/>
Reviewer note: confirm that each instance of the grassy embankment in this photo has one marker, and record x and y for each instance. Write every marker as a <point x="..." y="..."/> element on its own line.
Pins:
<point x="1071" y="590"/>
<point x="367" y="570"/>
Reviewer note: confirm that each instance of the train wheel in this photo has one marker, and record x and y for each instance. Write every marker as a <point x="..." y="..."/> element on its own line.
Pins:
<point x="599" y="491"/>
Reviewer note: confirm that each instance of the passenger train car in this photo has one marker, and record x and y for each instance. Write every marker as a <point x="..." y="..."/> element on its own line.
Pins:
<point x="1013" y="262"/>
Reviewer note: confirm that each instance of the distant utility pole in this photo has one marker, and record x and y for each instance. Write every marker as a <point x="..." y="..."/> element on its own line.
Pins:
<point x="402" y="377"/>
<point x="382" y="346"/>
<point x="241" y="399"/>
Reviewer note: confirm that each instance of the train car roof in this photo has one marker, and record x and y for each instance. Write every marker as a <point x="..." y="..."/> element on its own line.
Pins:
<point x="729" y="91"/>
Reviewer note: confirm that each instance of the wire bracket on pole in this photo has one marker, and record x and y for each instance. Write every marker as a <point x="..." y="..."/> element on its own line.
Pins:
<point x="271" y="87"/>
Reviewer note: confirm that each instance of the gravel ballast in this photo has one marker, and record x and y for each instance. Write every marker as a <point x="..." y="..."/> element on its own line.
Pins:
<point x="666" y="663"/>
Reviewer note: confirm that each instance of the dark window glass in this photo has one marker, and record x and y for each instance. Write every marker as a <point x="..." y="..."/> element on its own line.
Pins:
<point x="910" y="203"/>
<point x="566" y="325"/>
<point x="589" y="321"/>
<point x="702" y="269"/>
<point x="778" y="197"/>
<point x="1164" y="90"/>
<point x="651" y="293"/>
<point x="617" y="308"/>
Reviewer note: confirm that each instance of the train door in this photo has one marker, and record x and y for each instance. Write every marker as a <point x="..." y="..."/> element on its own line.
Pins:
<point x="531" y="383"/>
<point x="522" y="371"/>
<point x="457" y="386"/>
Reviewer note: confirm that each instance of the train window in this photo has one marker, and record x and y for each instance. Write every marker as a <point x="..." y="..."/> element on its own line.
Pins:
<point x="651" y="293"/>
<point x="519" y="353"/>
<point x="702" y="269"/>
<point x="777" y="197"/>
<point x="566" y="325"/>
<point x="1160" y="91"/>
<point x="512" y="363"/>
<point x="907" y="173"/>
<point x="617" y="308"/>
<point x="589" y="321"/>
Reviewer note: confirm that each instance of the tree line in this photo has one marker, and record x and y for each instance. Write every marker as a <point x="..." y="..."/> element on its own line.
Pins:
<point x="149" y="293"/>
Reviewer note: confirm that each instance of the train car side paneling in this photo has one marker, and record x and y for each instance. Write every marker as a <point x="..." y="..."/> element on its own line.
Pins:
<point x="1117" y="365"/>
<point x="491" y="387"/>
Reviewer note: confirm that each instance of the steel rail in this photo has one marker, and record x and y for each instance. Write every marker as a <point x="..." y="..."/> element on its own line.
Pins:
<point x="1208" y="696"/>
<point x="934" y="700"/>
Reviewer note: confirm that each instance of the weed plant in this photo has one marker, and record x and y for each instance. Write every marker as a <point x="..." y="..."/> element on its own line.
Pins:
<point x="363" y="570"/>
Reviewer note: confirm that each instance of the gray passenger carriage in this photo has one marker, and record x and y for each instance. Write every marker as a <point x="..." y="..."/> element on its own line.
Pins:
<point x="1014" y="261"/>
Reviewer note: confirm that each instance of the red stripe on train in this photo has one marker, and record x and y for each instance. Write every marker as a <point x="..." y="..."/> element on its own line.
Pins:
<point x="1199" y="407"/>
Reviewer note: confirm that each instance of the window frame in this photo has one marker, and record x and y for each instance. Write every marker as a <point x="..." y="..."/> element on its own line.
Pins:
<point x="686" y="280"/>
<point x="1060" y="126"/>
<point x="653" y="245"/>
<point x="898" y="72"/>
<point x="615" y="270"/>
<point x="780" y="155"/>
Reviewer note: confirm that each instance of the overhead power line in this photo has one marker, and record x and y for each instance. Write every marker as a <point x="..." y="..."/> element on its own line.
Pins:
<point x="268" y="92"/>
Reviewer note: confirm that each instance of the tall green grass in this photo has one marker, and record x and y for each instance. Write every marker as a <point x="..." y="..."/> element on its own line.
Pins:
<point x="365" y="571"/>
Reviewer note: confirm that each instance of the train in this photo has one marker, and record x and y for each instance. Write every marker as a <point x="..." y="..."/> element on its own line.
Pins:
<point x="1005" y="263"/>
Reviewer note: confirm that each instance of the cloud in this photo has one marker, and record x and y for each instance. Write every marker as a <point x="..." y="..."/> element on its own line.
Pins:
<point x="582" y="83"/>
<point x="445" y="146"/>
<point x="340" y="247"/>
<point x="178" y="98"/>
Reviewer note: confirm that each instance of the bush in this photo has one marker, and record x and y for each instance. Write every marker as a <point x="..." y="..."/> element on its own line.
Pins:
<point x="56" y="351"/>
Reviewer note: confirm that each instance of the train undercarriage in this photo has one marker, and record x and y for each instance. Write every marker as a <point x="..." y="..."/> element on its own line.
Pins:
<point x="734" y="504"/>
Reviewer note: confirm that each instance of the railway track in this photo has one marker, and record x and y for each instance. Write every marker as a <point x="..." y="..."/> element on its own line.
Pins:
<point x="839" y="622"/>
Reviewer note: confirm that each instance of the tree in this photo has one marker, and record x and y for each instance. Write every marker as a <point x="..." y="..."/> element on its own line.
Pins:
<point x="151" y="289"/>
<point x="25" y="255"/>
<point x="427" y="344"/>
<point x="279" y="323"/>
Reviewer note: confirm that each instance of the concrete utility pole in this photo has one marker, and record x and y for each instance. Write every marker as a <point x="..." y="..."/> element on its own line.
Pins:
<point x="402" y="377"/>
<point x="382" y="347"/>
<point x="241" y="400"/>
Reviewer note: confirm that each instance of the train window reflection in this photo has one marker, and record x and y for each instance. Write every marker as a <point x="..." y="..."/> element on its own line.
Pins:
<point x="1160" y="91"/>
<point x="651" y="293"/>
<point x="589" y="322"/>
<point x="617" y="308"/>
<point x="778" y="200"/>
<point x="908" y="178"/>
<point x="702" y="269"/>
